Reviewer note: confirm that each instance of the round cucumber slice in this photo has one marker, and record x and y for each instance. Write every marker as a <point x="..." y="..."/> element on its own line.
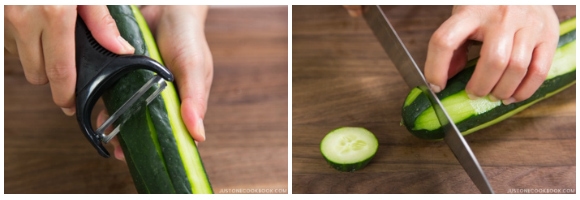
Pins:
<point x="349" y="148"/>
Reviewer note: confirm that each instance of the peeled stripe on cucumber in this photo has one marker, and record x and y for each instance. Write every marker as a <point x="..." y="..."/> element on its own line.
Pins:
<point x="349" y="148"/>
<point x="473" y="115"/>
<point x="160" y="153"/>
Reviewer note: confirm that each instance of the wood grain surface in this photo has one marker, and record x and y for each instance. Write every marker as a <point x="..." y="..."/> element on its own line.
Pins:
<point x="342" y="77"/>
<point x="246" y="121"/>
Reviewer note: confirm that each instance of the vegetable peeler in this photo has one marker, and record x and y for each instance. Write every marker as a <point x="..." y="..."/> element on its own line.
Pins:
<point x="99" y="69"/>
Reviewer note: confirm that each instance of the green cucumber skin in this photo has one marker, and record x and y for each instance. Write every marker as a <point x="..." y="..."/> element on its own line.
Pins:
<point x="547" y="87"/>
<point x="146" y="138"/>
<point x="189" y="164"/>
<point x="349" y="167"/>
<point x="456" y="84"/>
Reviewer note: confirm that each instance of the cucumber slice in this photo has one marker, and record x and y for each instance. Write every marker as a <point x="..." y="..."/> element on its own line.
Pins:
<point x="349" y="148"/>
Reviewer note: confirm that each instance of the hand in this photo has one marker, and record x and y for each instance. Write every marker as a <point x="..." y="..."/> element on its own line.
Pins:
<point x="518" y="46"/>
<point x="179" y="32"/>
<point x="43" y="37"/>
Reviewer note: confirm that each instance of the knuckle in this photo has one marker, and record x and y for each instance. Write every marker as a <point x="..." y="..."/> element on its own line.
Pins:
<point x="36" y="79"/>
<point x="539" y="73"/>
<point x="184" y="58"/>
<point x="108" y="21"/>
<point x="209" y="70"/>
<point x="18" y="20"/>
<point x="59" y="16"/>
<point x="202" y="106"/>
<point x="441" y="41"/>
<point x="62" y="101"/>
<point x="14" y="14"/>
<point x="518" y="64"/>
<point x="59" y="72"/>
<point x="208" y="78"/>
<point x="56" y="11"/>
<point x="497" y="61"/>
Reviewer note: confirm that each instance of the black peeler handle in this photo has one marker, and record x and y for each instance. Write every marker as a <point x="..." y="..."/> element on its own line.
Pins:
<point x="97" y="70"/>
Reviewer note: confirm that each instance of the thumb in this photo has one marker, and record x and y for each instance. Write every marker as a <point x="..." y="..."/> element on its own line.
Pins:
<point x="104" y="29"/>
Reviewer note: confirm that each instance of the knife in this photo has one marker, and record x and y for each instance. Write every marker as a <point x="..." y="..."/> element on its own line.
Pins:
<point x="392" y="44"/>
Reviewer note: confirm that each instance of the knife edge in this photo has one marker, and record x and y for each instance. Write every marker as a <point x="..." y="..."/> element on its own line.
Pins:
<point x="412" y="75"/>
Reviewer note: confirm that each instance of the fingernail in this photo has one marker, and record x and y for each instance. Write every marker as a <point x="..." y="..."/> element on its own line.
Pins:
<point x="126" y="45"/>
<point x="472" y="97"/>
<point x="68" y="111"/>
<point x="508" y="101"/>
<point x="435" y="88"/>
<point x="200" y="129"/>
<point x="492" y="98"/>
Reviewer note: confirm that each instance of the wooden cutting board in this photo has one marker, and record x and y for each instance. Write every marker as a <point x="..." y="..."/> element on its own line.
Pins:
<point x="342" y="77"/>
<point x="246" y="150"/>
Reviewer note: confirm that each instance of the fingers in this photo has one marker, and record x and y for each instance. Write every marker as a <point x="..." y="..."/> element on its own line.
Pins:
<point x="33" y="65"/>
<point x="104" y="29"/>
<point x="24" y="36"/>
<point x="193" y="118"/>
<point x="514" y="59"/>
<point x="537" y="73"/>
<point x="542" y="57"/>
<point x="46" y="48"/>
<point x="494" y="58"/>
<point x="43" y="36"/>
<point x="193" y="77"/>
<point x="517" y="66"/>
<point x="183" y="45"/>
<point x="447" y="49"/>
<point x="61" y="70"/>
<point x="513" y="75"/>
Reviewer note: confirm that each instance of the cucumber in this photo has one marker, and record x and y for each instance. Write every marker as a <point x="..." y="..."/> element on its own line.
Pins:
<point x="160" y="153"/>
<point x="349" y="148"/>
<point x="471" y="115"/>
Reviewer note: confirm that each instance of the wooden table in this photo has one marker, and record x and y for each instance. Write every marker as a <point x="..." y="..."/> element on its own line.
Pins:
<point x="246" y="121"/>
<point x="342" y="77"/>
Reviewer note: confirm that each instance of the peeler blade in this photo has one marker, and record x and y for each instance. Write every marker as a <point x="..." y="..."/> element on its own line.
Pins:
<point x="134" y="103"/>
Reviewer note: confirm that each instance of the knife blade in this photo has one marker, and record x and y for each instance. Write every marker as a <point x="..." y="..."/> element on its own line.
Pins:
<point x="412" y="75"/>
